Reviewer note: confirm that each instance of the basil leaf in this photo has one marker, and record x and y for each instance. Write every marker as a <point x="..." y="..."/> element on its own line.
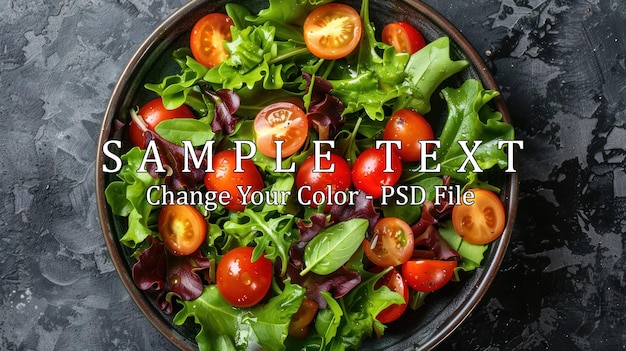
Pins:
<point x="178" y="129"/>
<point x="334" y="246"/>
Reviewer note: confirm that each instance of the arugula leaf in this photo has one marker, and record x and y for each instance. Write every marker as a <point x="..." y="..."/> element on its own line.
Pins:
<point x="333" y="246"/>
<point x="127" y="197"/>
<point x="277" y="233"/>
<point x="223" y="327"/>
<point x="329" y="319"/>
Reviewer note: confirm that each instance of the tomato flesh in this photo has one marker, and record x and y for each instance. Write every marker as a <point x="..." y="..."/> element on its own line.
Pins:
<point x="428" y="275"/>
<point x="395" y="282"/>
<point x="403" y="37"/>
<point x="241" y="282"/>
<point x="182" y="228"/>
<point x="281" y="121"/>
<point x="332" y="31"/>
<point x="311" y="180"/>
<point x="225" y="178"/>
<point x="153" y="113"/>
<point x="369" y="172"/>
<point x="409" y="127"/>
<point x="207" y="39"/>
<point x="391" y="243"/>
<point x="481" y="222"/>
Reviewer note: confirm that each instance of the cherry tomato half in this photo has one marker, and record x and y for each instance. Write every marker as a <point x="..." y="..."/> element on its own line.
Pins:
<point x="391" y="243"/>
<point x="403" y="36"/>
<point x="281" y="121"/>
<point x="299" y="326"/>
<point x="369" y="171"/>
<point x="154" y="113"/>
<point x="409" y="127"/>
<point x="207" y="39"/>
<point x="395" y="282"/>
<point x="332" y="31"/>
<point x="226" y="179"/>
<point x="241" y="282"/>
<point x="428" y="275"/>
<point x="182" y="228"/>
<point x="481" y="222"/>
<point x="337" y="177"/>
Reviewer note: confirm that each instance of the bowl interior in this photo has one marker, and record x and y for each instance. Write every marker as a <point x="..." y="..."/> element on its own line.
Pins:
<point x="153" y="60"/>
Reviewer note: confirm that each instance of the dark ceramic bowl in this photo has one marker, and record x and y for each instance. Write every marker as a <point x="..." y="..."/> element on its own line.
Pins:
<point x="422" y="329"/>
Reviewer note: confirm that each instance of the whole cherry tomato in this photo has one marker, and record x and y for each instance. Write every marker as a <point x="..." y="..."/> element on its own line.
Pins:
<point x="370" y="172"/>
<point x="428" y="275"/>
<point x="409" y="127"/>
<point x="240" y="281"/>
<point x="225" y="178"/>
<point x="334" y="173"/>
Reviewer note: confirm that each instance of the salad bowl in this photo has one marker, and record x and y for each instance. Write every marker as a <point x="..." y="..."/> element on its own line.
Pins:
<point x="422" y="329"/>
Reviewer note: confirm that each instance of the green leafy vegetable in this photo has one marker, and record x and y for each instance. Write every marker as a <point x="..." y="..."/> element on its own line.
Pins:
<point x="179" y="129"/>
<point x="127" y="197"/>
<point x="471" y="118"/>
<point x="426" y="70"/>
<point x="334" y="246"/>
<point x="471" y="255"/>
<point x="277" y="233"/>
<point x="180" y="89"/>
<point x="357" y="318"/>
<point x="223" y="327"/>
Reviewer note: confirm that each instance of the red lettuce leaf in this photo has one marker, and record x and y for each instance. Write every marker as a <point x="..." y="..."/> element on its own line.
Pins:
<point x="338" y="283"/>
<point x="437" y="247"/>
<point x="226" y="103"/>
<point x="433" y="214"/>
<point x="307" y="232"/>
<point x="325" y="110"/>
<point x="362" y="208"/>
<point x="168" y="275"/>
<point x="172" y="157"/>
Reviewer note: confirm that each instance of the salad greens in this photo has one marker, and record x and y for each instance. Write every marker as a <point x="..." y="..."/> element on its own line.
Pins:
<point x="316" y="255"/>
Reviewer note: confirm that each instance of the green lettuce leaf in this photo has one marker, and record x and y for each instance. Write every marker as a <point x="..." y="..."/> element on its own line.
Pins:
<point x="127" y="198"/>
<point x="223" y="327"/>
<point x="472" y="255"/>
<point x="471" y="118"/>
<point x="179" y="89"/>
<point x="425" y="71"/>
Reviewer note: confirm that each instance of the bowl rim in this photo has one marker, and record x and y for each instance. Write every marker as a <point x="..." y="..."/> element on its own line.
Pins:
<point x="155" y="39"/>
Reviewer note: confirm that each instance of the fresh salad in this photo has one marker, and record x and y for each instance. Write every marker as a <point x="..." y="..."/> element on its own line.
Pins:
<point x="290" y="189"/>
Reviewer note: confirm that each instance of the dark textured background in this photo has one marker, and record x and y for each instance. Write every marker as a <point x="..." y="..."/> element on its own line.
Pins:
<point x="561" y="65"/>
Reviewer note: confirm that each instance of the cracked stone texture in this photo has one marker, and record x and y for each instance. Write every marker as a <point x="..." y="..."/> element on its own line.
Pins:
<point x="561" y="65"/>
